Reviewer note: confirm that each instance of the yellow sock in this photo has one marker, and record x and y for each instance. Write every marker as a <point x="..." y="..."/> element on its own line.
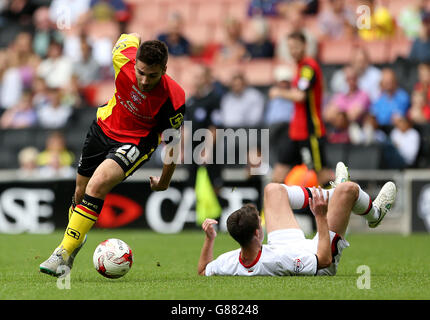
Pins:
<point x="78" y="227"/>
<point x="83" y="217"/>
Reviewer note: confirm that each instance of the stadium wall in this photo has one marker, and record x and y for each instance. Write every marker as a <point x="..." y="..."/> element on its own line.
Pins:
<point x="40" y="206"/>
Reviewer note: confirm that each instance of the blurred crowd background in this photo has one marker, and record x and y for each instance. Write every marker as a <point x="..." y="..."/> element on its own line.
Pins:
<point x="229" y="56"/>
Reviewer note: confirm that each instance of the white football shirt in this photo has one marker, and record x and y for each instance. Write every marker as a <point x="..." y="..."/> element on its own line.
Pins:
<point x="287" y="253"/>
<point x="272" y="261"/>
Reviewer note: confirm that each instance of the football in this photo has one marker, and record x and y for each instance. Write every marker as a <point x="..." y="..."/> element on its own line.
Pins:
<point x="113" y="258"/>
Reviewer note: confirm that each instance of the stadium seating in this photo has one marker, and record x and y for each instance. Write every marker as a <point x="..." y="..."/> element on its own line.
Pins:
<point x="203" y="26"/>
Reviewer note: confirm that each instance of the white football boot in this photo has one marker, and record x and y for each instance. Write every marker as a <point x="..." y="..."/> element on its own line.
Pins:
<point x="342" y="174"/>
<point x="384" y="202"/>
<point x="56" y="265"/>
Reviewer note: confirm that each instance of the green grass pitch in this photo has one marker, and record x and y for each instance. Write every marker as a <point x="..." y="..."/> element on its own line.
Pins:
<point x="165" y="268"/>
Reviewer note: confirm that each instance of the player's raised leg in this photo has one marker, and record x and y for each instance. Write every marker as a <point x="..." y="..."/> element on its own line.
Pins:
<point x="277" y="210"/>
<point x="85" y="214"/>
<point x="349" y="197"/>
<point x="340" y="206"/>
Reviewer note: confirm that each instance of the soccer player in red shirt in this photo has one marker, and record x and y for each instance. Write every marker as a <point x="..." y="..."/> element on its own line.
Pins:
<point x="307" y="130"/>
<point x="125" y="134"/>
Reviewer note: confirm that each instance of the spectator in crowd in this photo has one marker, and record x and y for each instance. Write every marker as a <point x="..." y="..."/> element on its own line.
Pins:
<point x="55" y="113"/>
<point x="56" y="69"/>
<point x="423" y="83"/>
<point x="419" y="112"/>
<point x="44" y="32"/>
<point x="27" y="61"/>
<point x="410" y="18"/>
<point x="406" y="139"/>
<point x="19" y="65"/>
<point x="261" y="46"/>
<point x="420" y="51"/>
<point x="203" y="106"/>
<point x="54" y="169"/>
<point x="382" y="24"/>
<point x="232" y="48"/>
<point x="279" y="111"/>
<point x="27" y="159"/>
<point x="11" y="86"/>
<point x="370" y="133"/>
<point x="67" y="14"/>
<point x="308" y="7"/>
<point x="355" y="103"/>
<point x="369" y="76"/>
<point x="336" y="21"/>
<point x="15" y="17"/>
<point x="22" y="115"/>
<point x="263" y="8"/>
<point x="203" y="109"/>
<point x="87" y="70"/>
<point x="173" y="37"/>
<point x="56" y="152"/>
<point x="243" y="105"/>
<point x="296" y="22"/>
<point x="74" y="95"/>
<point x="393" y="99"/>
<point x="121" y="9"/>
<point x="40" y="93"/>
<point x="339" y="131"/>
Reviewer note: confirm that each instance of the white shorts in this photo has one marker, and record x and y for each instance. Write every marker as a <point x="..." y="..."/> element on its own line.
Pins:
<point x="296" y="238"/>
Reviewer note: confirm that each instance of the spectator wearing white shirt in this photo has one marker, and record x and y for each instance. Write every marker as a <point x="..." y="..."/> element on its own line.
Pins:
<point x="242" y="106"/>
<point x="54" y="114"/>
<point x="406" y="139"/>
<point x="56" y="69"/>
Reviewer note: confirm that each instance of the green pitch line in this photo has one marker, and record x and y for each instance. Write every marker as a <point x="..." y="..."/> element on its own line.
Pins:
<point x="165" y="268"/>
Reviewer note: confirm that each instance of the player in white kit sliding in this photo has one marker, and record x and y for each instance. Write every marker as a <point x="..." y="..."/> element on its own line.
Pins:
<point x="287" y="251"/>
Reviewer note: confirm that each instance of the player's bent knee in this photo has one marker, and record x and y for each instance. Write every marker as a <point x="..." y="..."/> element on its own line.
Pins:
<point x="349" y="188"/>
<point x="99" y="186"/>
<point x="272" y="188"/>
<point x="273" y="192"/>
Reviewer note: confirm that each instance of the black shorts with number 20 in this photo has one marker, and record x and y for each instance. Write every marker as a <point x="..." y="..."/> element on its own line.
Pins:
<point x="99" y="147"/>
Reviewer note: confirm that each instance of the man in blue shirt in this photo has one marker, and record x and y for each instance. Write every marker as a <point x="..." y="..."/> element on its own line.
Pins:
<point x="393" y="100"/>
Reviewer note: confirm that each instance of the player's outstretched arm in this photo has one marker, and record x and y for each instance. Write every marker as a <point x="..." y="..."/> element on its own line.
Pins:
<point x="163" y="182"/>
<point x="318" y="206"/>
<point x="206" y="255"/>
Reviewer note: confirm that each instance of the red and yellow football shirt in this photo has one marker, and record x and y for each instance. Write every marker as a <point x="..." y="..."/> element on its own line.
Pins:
<point x="132" y="114"/>
<point x="307" y="120"/>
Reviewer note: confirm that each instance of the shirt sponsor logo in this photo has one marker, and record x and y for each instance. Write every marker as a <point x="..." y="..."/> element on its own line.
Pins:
<point x="298" y="265"/>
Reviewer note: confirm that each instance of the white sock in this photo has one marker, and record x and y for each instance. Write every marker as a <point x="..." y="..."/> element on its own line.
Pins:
<point x="299" y="196"/>
<point x="364" y="207"/>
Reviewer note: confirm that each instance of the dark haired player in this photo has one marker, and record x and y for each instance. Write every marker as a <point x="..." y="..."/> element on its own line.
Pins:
<point x="306" y="130"/>
<point x="127" y="131"/>
<point x="288" y="252"/>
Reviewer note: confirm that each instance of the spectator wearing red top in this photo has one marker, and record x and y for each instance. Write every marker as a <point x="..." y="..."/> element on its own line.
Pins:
<point x="307" y="130"/>
<point x="423" y="83"/>
<point x="419" y="112"/>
